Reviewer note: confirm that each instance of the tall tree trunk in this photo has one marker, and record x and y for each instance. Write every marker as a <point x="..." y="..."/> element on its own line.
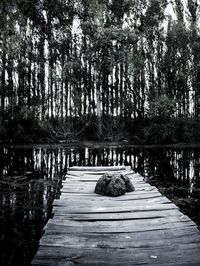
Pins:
<point x="121" y="90"/>
<point x="3" y="73"/>
<point x="42" y="72"/>
<point x="99" y="111"/>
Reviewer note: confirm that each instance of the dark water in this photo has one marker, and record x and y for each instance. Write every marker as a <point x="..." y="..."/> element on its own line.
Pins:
<point x="30" y="178"/>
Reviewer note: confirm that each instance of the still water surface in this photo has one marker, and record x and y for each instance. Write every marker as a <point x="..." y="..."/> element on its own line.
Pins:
<point x="31" y="177"/>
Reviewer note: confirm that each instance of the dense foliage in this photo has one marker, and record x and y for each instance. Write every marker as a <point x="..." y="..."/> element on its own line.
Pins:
<point x="93" y="69"/>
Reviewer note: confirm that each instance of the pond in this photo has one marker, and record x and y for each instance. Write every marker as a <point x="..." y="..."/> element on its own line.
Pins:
<point x="31" y="178"/>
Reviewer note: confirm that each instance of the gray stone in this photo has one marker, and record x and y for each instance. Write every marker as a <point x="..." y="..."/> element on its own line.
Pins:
<point x="102" y="184"/>
<point x="113" y="185"/>
<point x="116" y="187"/>
<point x="128" y="184"/>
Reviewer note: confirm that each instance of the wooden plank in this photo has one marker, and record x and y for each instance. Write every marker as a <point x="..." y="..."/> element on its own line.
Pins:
<point x="88" y="203"/>
<point x="85" y="185"/>
<point x="126" y="215"/>
<point x="139" y="228"/>
<point x="133" y="198"/>
<point x="121" y="227"/>
<point x="96" y="174"/>
<point x="127" y="240"/>
<point x="98" y="168"/>
<point x="139" y="192"/>
<point x="91" y="190"/>
<point x="94" y="242"/>
<point x="121" y="209"/>
<point x="77" y="174"/>
<point x="174" y="255"/>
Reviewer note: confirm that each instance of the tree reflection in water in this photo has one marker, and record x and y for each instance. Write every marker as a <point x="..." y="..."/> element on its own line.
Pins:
<point x="29" y="181"/>
<point x="30" y="178"/>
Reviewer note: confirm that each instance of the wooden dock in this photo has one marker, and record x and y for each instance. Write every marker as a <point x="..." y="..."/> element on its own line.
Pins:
<point x="139" y="228"/>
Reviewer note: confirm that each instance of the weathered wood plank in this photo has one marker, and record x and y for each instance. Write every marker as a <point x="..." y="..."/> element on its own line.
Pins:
<point x="91" y="190"/>
<point x="84" y="197"/>
<point x="95" y="174"/>
<point x="98" y="168"/>
<point x="94" y="242"/>
<point x="118" y="216"/>
<point x="111" y="203"/>
<point x="120" y="209"/>
<point x="138" y="192"/>
<point x="115" y="226"/>
<point x="174" y="255"/>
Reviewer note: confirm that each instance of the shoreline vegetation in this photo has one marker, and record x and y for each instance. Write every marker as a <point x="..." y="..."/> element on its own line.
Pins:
<point x="100" y="144"/>
<point x="157" y="131"/>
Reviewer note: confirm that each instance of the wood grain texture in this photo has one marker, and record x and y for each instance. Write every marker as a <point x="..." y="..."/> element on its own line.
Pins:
<point x="139" y="228"/>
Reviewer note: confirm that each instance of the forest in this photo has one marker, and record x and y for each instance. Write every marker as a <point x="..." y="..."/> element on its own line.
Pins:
<point x="116" y="70"/>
